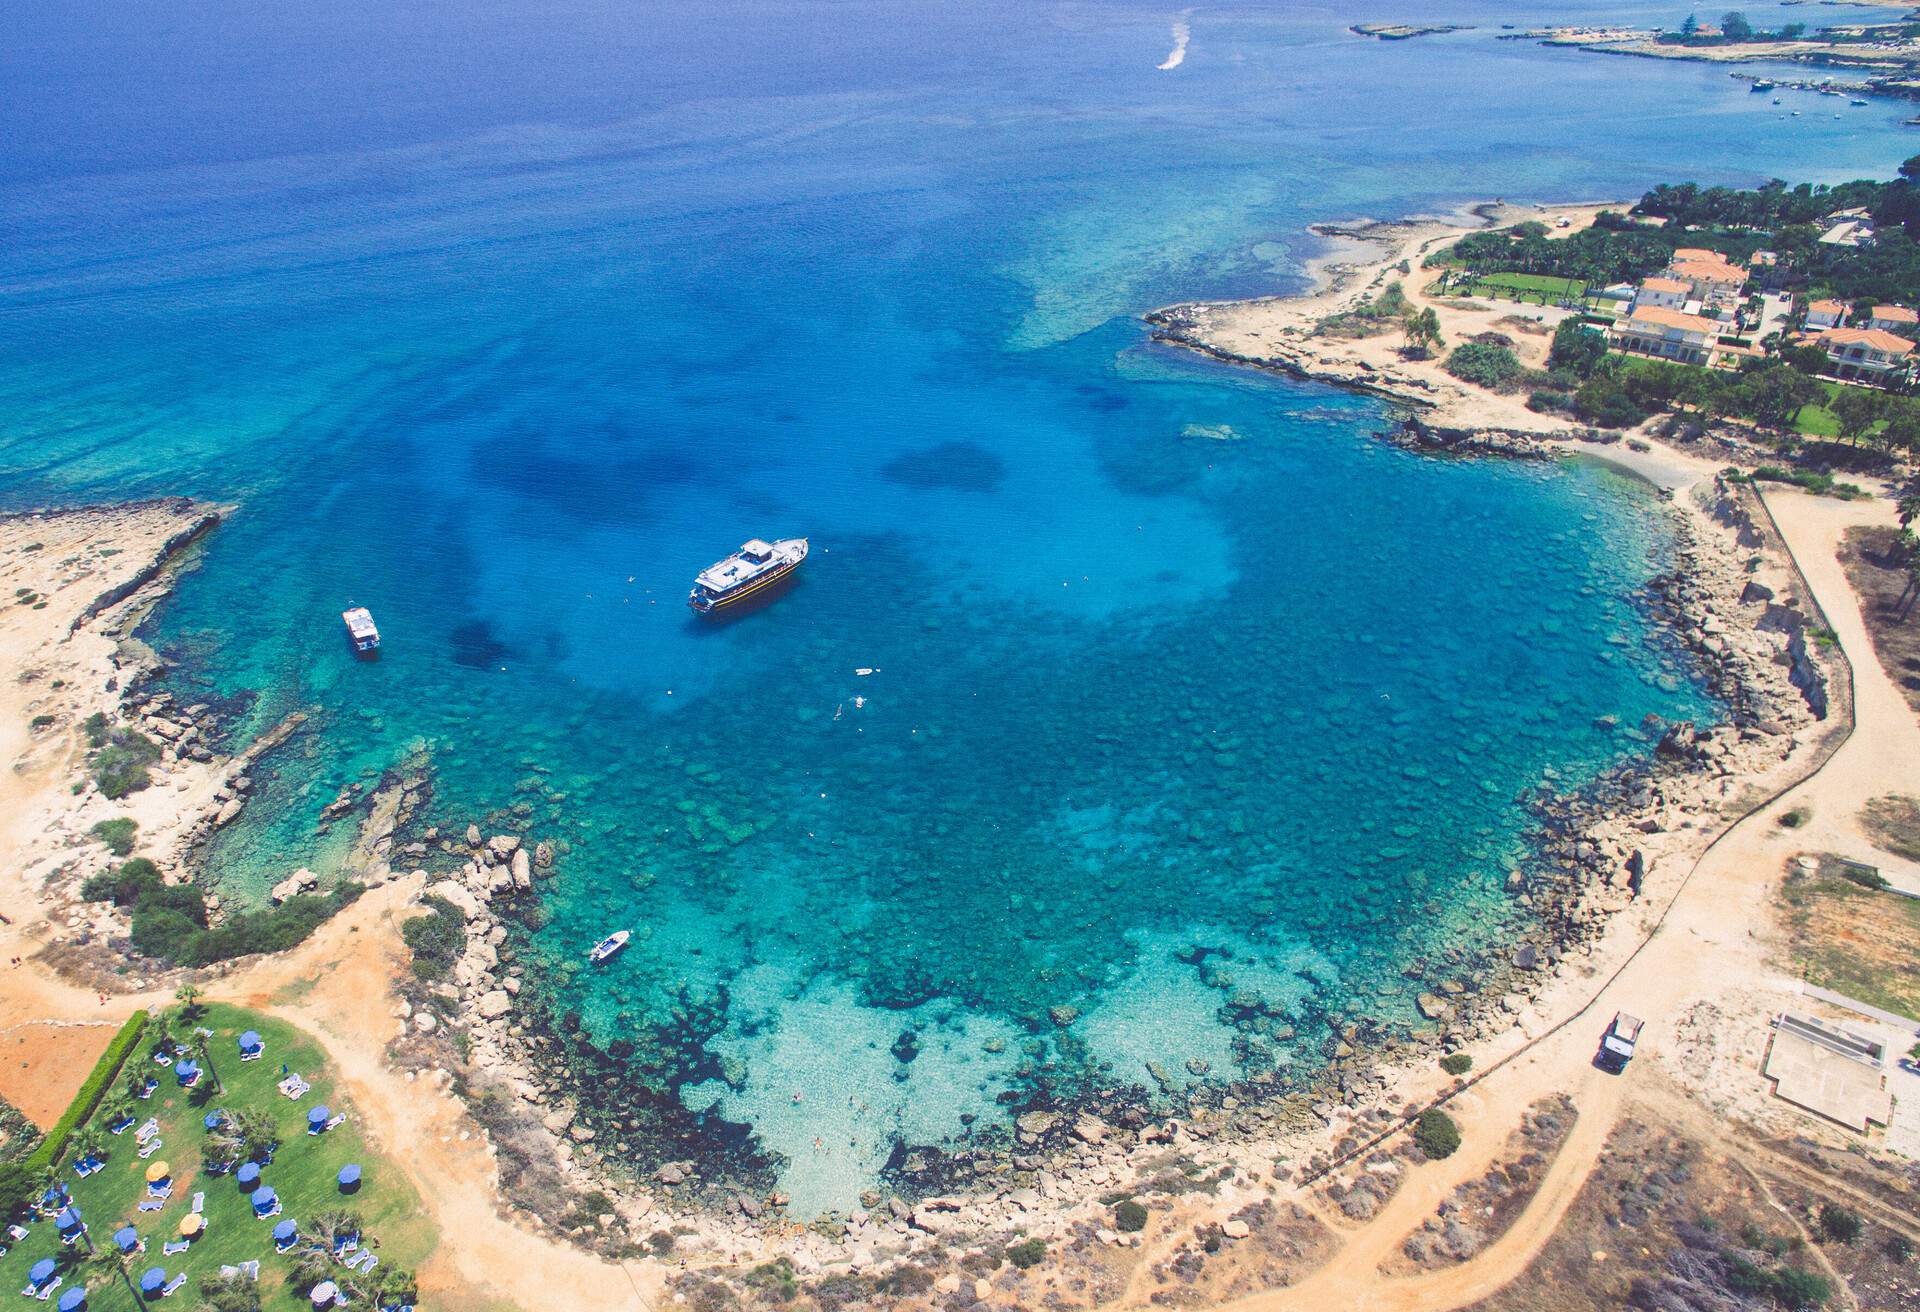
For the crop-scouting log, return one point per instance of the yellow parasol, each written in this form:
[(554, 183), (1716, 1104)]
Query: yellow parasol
[(158, 1172), (191, 1224)]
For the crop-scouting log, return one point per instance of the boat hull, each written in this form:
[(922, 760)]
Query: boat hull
[(707, 604)]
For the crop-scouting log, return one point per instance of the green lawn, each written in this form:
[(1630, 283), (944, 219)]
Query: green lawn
[(1818, 421), (1536, 288), (303, 1172)]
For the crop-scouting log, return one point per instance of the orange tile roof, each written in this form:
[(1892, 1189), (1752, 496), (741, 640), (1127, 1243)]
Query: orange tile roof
[(1665, 285), (1827, 307), (1878, 339), (1665, 318), (1713, 270), (1895, 314)]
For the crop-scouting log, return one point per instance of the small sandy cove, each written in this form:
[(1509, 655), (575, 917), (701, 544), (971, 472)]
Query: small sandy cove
[(1701, 936)]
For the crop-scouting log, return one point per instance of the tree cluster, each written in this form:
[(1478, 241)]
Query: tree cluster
[(1735, 29), (170, 920)]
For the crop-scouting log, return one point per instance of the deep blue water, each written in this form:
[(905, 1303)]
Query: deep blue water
[(505, 318)]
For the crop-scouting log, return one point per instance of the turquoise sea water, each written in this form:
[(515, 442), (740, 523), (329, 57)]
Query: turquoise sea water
[(506, 318)]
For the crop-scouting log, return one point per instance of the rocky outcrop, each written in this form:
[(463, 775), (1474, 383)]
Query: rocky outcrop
[(1415, 434), (201, 524)]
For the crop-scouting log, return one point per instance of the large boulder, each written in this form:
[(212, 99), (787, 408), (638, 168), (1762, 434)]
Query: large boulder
[(300, 881), (494, 1004), (462, 900)]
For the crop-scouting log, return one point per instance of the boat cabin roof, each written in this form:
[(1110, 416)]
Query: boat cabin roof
[(359, 621), (753, 559)]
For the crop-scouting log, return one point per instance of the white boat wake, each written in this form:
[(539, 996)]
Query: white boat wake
[(1182, 33)]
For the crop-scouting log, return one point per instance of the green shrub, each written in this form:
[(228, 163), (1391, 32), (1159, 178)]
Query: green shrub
[(1605, 403), (1576, 348), (1456, 1063), (123, 884), (1484, 365), (1872, 879), (96, 729), (1129, 1216), (1899, 1248), (120, 764), (273, 930), (1795, 818), (91, 1091), (170, 920), (117, 834), (1027, 1253), (774, 1280), (1436, 1134), (1839, 1225), (18, 1186), (436, 939), (41, 722)]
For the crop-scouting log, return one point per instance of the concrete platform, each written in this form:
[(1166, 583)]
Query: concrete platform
[(1830, 1071)]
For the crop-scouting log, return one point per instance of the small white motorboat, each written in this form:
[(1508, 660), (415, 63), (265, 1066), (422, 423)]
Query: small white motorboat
[(609, 945)]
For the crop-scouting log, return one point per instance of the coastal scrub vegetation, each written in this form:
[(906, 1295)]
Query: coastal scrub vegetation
[(1027, 1253), (1893, 823), (117, 834), (170, 921), (1457, 1063), (1129, 1216), (1838, 1225), (436, 939), (1436, 1134), (1485, 365), (1371, 315), (120, 756), (1857, 940)]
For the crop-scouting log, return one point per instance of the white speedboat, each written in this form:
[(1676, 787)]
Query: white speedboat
[(609, 945)]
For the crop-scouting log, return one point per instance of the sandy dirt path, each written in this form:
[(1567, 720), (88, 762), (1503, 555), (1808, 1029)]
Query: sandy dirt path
[(336, 987)]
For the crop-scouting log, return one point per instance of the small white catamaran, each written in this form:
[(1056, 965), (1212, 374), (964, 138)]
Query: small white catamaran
[(609, 945)]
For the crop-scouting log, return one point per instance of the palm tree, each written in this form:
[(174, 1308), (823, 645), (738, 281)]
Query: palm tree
[(188, 996), (203, 1048), (252, 1130), (396, 1285), (309, 1269), (88, 1143), (112, 1260), (336, 1224)]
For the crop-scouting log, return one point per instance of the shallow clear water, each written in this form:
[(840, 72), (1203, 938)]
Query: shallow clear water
[(505, 319)]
